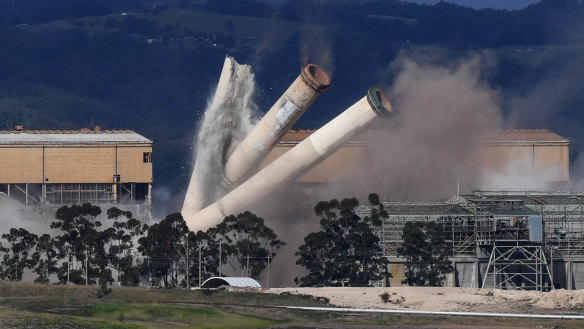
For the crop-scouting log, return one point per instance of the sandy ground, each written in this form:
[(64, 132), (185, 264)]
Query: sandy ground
[(450, 299)]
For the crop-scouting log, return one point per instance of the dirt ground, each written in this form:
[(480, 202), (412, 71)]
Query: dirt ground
[(345, 326), (449, 299)]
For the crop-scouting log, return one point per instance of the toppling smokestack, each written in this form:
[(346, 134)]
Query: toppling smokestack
[(295, 162), (220, 113), (280, 118)]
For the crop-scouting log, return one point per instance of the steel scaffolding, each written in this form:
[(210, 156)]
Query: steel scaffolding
[(514, 239), (518, 267)]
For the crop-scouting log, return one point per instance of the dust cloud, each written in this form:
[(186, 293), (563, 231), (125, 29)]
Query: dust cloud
[(16, 215), (421, 152), (227, 120), (429, 147)]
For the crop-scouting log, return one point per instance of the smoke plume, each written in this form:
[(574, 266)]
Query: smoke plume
[(440, 115), (429, 146), (15, 215), (429, 149)]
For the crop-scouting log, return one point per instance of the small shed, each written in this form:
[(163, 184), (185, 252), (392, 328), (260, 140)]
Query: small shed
[(216, 282)]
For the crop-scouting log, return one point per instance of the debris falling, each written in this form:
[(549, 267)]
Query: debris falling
[(227, 120)]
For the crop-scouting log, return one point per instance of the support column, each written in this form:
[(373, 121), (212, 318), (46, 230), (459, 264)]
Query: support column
[(43, 200), (552, 267), (26, 194), (570, 275), (475, 275), (149, 196), (451, 277), (149, 202), (132, 193), (116, 188), (44, 193)]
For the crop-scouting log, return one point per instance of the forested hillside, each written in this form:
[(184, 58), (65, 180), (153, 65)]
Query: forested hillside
[(152, 65)]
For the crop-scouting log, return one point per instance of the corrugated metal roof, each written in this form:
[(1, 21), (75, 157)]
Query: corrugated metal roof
[(528, 135), (296, 135), (64, 137), (241, 282), (507, 210), (552, 198), (508, 136), (419, 209)]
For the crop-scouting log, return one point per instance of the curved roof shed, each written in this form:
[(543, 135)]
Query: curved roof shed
[(216, 282)]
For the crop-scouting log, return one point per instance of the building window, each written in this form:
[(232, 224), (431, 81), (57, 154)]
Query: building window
[(147, 157)]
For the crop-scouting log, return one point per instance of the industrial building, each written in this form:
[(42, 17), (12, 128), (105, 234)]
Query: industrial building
[(46, 169), (529, 153), (509, 240)]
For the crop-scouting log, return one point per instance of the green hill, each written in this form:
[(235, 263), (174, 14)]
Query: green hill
[(152, 67)]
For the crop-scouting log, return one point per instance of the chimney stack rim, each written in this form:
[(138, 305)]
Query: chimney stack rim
[(379, 102), (315, 77)]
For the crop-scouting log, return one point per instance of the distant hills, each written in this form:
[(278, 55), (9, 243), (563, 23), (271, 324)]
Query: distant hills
[(152, 65)]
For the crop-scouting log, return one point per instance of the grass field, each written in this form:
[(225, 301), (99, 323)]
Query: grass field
[(45, 306), (56, 306)]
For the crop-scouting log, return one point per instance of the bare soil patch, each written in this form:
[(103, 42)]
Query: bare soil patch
[(449, 299)]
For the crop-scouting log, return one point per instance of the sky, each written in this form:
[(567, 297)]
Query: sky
[(480, 4)]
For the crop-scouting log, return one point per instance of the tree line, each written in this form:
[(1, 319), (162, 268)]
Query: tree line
[(89, 248)]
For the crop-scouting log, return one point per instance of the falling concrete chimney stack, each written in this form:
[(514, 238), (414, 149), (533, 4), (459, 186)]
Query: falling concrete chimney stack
[(245, 159), (296, 161)]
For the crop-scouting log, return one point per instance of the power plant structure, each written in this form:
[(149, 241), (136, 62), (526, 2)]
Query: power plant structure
[(280, 118), (297, 161), (510, 240), (240, 163), (529, 153), (46, 169)]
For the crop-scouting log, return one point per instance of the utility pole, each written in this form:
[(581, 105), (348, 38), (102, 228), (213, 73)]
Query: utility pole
[(269, 270), (220, 260), (68, 264), (247, 266), (200, 277), (86, 266), (188, 285)]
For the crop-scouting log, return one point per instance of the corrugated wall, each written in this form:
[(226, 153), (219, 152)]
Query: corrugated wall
[(74, 164)]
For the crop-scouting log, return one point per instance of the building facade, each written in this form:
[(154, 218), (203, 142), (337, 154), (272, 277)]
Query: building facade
[(529, 153), (46, 169), (511, 240)]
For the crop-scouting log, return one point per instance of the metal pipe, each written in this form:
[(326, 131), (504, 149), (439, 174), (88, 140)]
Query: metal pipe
[(295, 162), (280, 118)]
